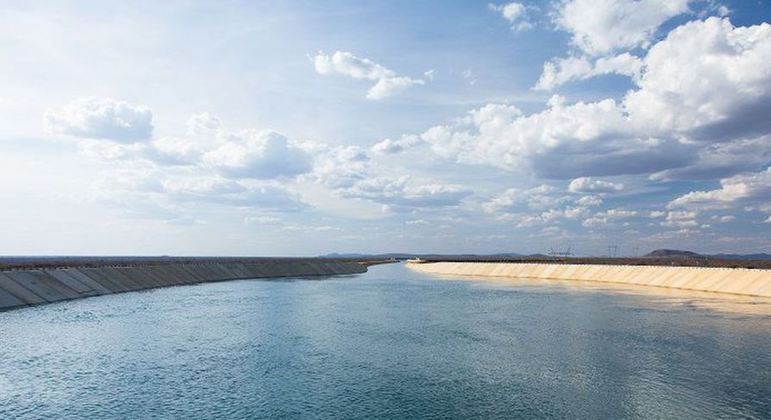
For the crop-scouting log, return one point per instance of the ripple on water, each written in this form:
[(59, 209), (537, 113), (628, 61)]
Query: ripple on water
[(387, 344)]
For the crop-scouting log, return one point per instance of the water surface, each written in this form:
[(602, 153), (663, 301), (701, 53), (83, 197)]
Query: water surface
[(387, 344)]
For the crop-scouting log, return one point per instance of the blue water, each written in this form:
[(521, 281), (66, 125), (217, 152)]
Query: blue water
[(387, 344)]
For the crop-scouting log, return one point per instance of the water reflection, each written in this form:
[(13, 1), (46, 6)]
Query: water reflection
[(387, 344), (677, 298)]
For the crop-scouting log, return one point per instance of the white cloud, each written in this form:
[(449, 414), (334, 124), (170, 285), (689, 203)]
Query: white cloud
[(681, 219), (515, 200), (387, 82), (559, 71), (164, 195), (101, 118), (389, 146), (723, 159), (741, 188), (261, 220), (600, 27), (399, 194), (203, 123), (617, 213), (173, 151), (707, 80), (515, 13), (341, 167), (259, 154), (589, 201), (593, 185), (559, 142), (706, 83), (540, 205), (608, 217)]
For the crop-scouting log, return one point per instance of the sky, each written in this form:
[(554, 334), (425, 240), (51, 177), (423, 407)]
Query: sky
[(306, 128)]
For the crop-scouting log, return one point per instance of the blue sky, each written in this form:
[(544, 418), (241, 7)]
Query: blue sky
[(301, 128)]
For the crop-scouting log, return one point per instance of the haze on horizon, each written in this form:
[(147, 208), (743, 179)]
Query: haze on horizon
[(303, 128)]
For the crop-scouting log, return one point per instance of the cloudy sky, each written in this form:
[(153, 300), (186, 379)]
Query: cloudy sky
[(301, 128)]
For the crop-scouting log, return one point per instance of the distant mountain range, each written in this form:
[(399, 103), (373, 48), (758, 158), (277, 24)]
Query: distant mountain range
[(676, 253), (761, 256), (659, 253), (403, 256)]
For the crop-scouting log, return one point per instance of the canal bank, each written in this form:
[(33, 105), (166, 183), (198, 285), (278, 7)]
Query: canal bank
[(738, 281), (29, 287)]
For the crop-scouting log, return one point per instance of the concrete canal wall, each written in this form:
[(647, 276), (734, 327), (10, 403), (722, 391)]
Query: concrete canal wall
[(740, 281), (19, 288)]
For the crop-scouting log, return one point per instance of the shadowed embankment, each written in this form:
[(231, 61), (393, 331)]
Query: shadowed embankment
[(35, 281)]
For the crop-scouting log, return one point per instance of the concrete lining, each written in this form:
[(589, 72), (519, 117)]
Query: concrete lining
[(118, 277), (72, 283), (22, 293), (20, 288), (97, 287), (38, 285), (7, 300), (100, 277), (753, 282)]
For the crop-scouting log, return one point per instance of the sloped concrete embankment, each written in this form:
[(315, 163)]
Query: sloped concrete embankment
[(739, 281), (19, 288)]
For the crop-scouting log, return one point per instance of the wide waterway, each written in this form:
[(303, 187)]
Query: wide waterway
[(391, 343)]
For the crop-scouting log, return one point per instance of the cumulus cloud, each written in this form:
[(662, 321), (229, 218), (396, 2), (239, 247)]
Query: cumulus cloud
[(259, 154), (101, 118), (604, 33), (593, 185), (390, 147), (559, 71), (202, 123), (349, 172), (600, 27), (341, 167), (589, 201), (681, 219), (706, 83), (515, 13), (754, 187), (387, 82), (708, 80), (400, 195), (173, 151), (595, 136), (608, 217), (724, 219), (540, 205), (183, 188), (515, 200)]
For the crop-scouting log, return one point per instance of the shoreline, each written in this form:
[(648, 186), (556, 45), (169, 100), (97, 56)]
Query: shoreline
[(27, 286), (734, 281)]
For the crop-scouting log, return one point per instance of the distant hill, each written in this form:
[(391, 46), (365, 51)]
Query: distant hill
[(404, 256), (659, 253), (761, 256), (672, 253)]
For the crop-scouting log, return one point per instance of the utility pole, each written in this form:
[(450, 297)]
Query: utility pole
[(612, 251)]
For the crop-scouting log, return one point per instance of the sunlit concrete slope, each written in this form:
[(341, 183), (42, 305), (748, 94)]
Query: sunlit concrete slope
[(19, 288), (753, 282)]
